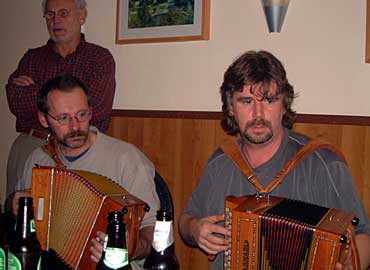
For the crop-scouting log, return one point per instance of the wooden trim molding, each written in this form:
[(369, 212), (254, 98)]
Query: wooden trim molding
[(301, 118)]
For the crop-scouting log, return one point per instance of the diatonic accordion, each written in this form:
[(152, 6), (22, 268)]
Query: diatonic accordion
[(282, 234), (72, 205)]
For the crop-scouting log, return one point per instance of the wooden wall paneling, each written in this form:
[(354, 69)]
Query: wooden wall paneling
[(180, 148)]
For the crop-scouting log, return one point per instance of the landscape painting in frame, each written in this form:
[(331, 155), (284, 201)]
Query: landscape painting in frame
[(144, 21)]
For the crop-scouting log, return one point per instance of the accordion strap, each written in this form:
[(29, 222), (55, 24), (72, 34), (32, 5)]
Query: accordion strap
[(233, 151), (51, 149)]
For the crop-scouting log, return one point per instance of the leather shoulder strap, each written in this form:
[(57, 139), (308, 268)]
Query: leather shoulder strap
[(232, 150), (51, 149)]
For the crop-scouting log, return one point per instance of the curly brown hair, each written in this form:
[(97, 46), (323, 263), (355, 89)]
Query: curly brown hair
[(255, 68)]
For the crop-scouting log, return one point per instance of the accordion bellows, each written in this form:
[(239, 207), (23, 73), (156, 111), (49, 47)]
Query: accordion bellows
[(282, 234), (71, 206)]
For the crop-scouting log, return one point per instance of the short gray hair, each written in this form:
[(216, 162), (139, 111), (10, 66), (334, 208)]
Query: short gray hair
[(79, 4)]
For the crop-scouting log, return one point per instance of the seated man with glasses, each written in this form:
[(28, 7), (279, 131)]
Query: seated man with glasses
[(66, 51), (65, 109)]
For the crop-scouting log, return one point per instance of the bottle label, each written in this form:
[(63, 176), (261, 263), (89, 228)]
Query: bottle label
[(115, 258), (2, 259), (13, 262), (32, 226), (163, 235)]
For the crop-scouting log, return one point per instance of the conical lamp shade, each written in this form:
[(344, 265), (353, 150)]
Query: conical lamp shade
[(275, 11)]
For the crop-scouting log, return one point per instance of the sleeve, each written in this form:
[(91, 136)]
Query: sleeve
[(102, 85), (23, 100), (37, 157), (138, 179), (341, 193), (198, 202)]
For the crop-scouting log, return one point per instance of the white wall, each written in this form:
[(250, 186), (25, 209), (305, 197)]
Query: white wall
[(322, 45)]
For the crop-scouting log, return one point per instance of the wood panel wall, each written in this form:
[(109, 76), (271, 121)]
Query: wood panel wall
[(180, 144)]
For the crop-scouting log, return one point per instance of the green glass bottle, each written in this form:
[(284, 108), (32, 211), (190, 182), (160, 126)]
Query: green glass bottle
[(115, 254), (25, 250), (162, 255), (3, 244)]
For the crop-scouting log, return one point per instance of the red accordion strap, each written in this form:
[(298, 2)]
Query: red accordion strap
[(233, 151), (51, 149)]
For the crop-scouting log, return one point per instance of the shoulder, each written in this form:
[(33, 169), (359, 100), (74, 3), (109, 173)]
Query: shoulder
[(120, 149), (97, 50), (297, 140)]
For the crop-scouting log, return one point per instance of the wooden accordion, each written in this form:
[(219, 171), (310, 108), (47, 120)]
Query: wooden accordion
[(72, 205), (282, 234)]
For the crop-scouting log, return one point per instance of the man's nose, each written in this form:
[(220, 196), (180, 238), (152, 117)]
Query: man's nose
[(259, 110), (74, 123)]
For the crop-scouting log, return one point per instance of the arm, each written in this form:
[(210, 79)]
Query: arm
[(145, 243), (363, 246), (143, 249), (102, 85), (22, 90), (201, 231)]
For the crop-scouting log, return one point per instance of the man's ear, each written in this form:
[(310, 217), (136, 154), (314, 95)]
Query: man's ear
[(83, 15), (42, 119)]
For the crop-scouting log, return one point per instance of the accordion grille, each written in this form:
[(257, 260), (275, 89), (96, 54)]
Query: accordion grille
[(73, 212)]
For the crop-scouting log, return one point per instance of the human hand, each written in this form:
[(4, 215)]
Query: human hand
[(23, 80), (204, 232), (15, 200), (97, 246)]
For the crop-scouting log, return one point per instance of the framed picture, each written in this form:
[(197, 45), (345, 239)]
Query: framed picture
[(145, 21), (367, 45)]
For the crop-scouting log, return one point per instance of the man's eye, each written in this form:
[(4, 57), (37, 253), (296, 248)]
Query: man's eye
[(63, 118), (247, 101), (270, 100)]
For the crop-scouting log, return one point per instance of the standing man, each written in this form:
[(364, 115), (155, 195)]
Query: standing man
[(257, 100), (65, 52), (64, 108)]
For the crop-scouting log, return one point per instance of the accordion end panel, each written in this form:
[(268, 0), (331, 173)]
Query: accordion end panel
[(266, 234), (71, 206)]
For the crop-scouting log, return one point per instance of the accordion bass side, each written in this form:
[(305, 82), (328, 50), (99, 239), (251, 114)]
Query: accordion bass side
[(280, 234), (72, 205)]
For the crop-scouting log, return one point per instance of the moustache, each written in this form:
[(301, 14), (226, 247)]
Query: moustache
[(258, 122), (76, 133)]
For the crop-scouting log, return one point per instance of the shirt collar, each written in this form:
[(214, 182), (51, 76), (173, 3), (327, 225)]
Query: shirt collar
[(50, 43)]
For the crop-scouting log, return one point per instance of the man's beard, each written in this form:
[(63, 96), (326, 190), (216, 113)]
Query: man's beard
[(260, 138), (74, 144)]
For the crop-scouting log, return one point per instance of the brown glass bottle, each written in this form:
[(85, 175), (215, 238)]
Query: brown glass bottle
[(162, 255), (115, 254), (25, 250)]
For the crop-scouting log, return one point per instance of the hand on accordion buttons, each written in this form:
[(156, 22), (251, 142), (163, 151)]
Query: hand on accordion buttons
[(347, 264), (210, 236), (97, 245)]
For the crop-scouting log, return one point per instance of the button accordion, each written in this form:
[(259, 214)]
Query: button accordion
[(72, 205), (282, 234)]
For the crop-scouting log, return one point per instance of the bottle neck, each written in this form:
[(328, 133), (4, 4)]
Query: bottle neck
[(25, 226), (116, 235), (163, 235)]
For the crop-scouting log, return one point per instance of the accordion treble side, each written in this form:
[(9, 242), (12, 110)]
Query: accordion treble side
[(72, 205), (280, 234)]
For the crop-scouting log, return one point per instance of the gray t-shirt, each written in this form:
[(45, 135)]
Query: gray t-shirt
[(322, 178)]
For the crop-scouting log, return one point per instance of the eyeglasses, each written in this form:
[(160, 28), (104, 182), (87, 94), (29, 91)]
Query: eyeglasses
[(61, 13), (65, 119)]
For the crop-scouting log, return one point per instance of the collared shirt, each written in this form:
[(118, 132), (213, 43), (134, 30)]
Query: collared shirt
[(92, 64)]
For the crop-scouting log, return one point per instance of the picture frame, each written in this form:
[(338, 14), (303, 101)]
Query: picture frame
[(367, 45), (148, 21)]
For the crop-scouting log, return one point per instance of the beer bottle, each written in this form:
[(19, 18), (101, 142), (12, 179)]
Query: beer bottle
[(25, 251), (3, 246), (162, 255), (115, 254)]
